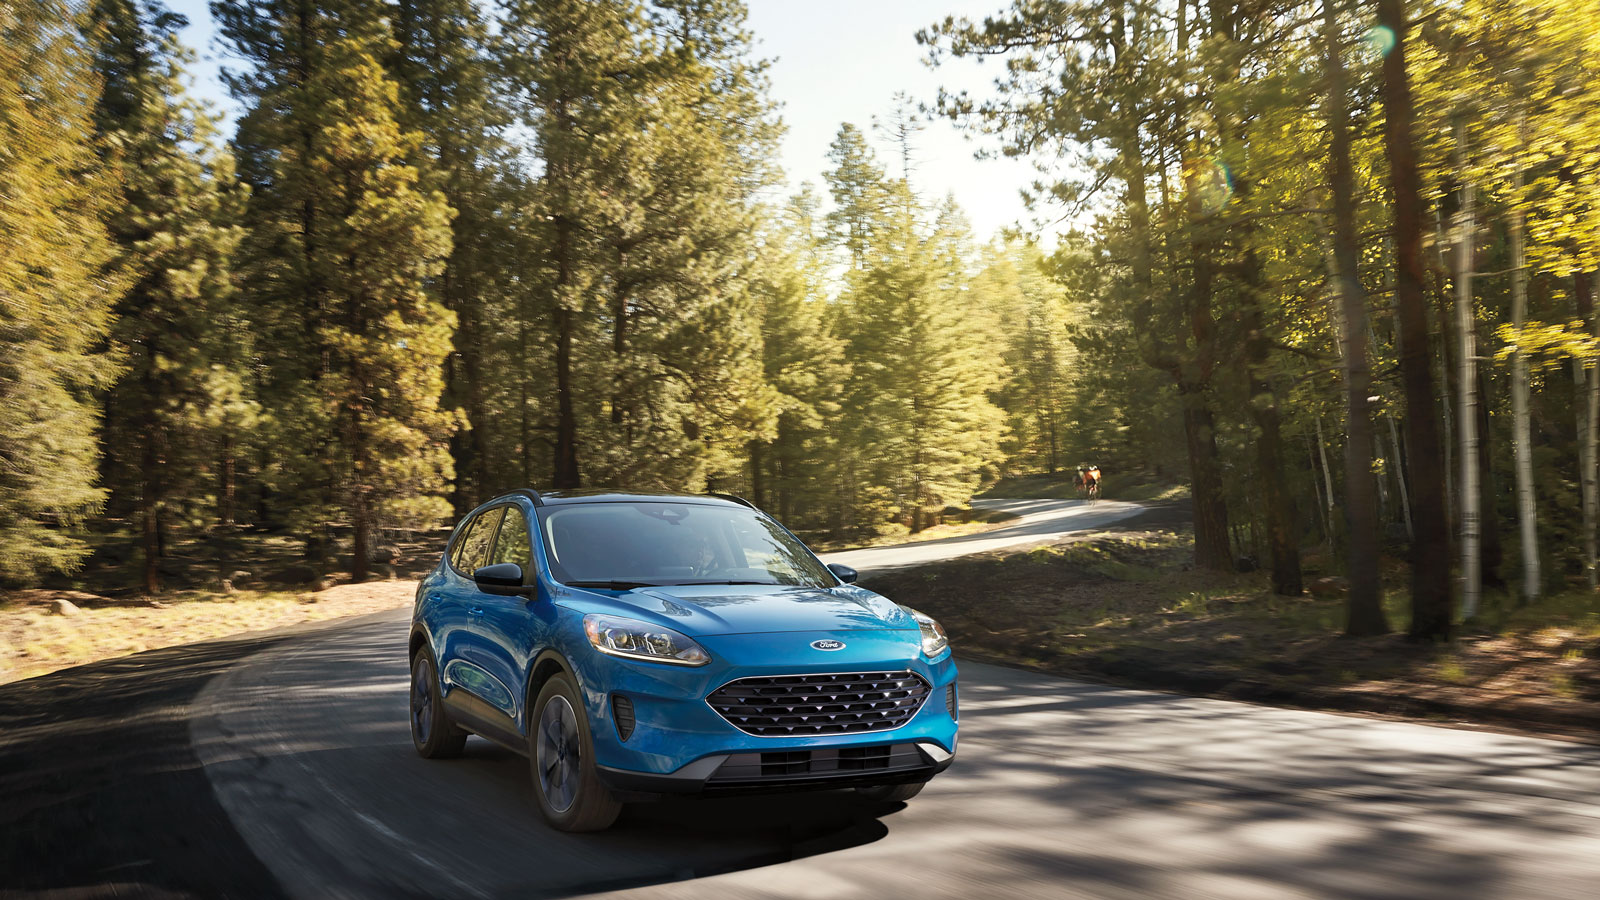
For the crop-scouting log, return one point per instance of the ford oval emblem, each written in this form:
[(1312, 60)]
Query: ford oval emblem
[(828, 644)]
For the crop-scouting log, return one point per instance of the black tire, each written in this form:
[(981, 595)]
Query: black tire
[(432, 732), (565, 785), (891, 793)]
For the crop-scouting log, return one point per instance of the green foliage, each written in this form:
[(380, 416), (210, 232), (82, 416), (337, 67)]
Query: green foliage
[(345, 235), (182, 399), (58, 282)]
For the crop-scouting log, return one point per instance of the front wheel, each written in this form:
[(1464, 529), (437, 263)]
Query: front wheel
[(432, 732), (568, 791), (891, 793)]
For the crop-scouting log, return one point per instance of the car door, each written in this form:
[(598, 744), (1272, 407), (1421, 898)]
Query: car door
[(457, 600), (507, 629)]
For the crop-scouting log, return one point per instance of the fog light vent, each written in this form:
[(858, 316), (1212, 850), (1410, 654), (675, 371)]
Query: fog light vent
[(950, 702), (622, 714)]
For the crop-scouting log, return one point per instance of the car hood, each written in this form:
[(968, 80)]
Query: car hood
[(742, 609)]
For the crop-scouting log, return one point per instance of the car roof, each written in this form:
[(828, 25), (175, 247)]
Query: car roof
[(609, 495)]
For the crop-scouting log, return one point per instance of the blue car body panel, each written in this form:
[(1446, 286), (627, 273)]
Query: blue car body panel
[(488, 648)]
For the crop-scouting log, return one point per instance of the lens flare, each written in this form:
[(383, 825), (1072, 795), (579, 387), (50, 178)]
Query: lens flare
[(1380, 40)]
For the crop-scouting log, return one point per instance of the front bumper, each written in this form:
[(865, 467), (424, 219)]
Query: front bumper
[(679, 744), (786, 770)]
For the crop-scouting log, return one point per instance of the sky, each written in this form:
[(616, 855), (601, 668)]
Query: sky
[(833, 61)]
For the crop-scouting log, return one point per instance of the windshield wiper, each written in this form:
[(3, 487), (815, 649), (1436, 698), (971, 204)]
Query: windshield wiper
[(613, 585)]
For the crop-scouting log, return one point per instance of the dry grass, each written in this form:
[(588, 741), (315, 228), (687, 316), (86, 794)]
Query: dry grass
[(33, 641)]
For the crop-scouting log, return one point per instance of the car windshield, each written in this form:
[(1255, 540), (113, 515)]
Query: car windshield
[(626, 545)]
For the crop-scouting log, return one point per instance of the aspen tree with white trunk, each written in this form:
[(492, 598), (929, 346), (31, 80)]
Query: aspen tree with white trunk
[(1466, 368), (1522, 441)]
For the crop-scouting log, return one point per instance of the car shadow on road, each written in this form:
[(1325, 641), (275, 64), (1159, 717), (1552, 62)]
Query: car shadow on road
[(335, 800)]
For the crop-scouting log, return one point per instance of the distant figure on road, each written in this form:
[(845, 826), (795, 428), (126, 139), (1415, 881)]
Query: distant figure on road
[(1087, 481)]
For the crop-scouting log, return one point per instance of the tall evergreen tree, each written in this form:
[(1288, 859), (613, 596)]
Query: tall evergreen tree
[(344, 238), (175, 406), (57, 286), (445, 73), (655, 136)]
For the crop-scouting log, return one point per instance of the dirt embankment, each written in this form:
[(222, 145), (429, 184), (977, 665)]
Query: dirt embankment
[(1128, 607)]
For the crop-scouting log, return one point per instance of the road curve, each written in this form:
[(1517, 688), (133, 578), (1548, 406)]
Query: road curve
[(1039, 521), (1060, 789)]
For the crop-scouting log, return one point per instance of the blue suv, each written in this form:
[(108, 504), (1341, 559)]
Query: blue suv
[(633, 645)]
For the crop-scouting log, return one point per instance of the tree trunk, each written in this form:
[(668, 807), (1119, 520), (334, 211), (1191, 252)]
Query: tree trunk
[(1521, 423), (1467, 394), (1588, 428), (1282, 540), (1430, 551), (758, 492), (566, 462), (152, 547), (1328, 495), (1364, 604), (1491, 552), (1211, 550), (227, 478)]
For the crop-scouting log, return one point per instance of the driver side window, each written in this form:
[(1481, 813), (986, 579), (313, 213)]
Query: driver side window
[(475, 541), (512, 545)]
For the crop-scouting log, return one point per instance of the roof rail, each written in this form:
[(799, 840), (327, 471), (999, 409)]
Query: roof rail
[(734, 498), (531, 494)]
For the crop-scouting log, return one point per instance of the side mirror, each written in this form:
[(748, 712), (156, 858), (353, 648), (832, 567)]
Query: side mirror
[(504, 579), (845, 573)]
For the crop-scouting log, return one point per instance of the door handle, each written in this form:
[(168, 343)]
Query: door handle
[(475, 611)]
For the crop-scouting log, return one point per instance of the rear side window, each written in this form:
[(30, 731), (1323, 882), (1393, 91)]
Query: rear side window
[(512, 544), (475, 540)]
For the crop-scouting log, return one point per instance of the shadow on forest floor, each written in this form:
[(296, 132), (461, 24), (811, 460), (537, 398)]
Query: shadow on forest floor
[(1127, 606)]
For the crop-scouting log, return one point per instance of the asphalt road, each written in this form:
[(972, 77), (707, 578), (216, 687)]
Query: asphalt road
[(1059, 789), (1039, 521), (298, 776)]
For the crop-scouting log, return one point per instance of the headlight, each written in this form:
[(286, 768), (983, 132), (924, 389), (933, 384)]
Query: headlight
[(634, 639), (934, 639)]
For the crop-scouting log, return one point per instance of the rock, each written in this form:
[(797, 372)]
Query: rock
[(1328, 586), (322, 584), (61, 606), (1245, 564), (238, 576), (386, 555), (225, 586)]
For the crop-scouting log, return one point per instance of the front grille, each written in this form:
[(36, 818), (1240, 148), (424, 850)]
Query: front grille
[(840, 703), (822, 767)]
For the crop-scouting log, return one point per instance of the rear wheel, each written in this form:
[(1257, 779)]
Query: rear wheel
[(432, 732), (891, 793), (569, 792)]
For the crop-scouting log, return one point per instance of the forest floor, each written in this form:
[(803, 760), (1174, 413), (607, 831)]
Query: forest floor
[(1126, 606), (35, 638), (214, 587)]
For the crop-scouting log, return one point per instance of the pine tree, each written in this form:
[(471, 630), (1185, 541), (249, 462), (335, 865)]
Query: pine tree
[(917, 404), (181, 397), (443, 67), (57, 286), (655, 137), (344, 237), (804, 363)]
